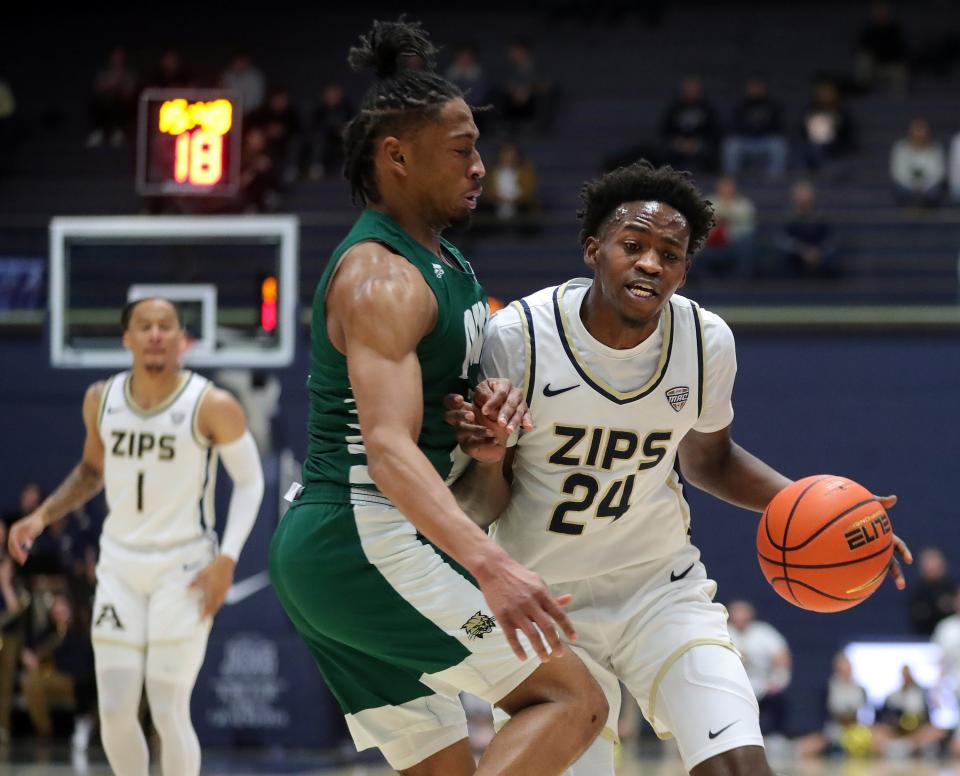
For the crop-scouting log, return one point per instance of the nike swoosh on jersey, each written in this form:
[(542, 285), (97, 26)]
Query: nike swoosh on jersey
[(682, 574), (711, 735), (240, 591), (547, 391)]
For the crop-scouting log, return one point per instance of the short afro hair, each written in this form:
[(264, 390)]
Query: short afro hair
[(639, 182)]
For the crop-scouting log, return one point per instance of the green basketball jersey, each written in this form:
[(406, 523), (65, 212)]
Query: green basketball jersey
[(449, 356)]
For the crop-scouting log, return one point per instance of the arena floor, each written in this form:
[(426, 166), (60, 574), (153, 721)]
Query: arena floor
[(58, 763)]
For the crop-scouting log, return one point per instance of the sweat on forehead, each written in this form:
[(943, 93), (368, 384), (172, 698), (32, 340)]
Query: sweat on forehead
[(659, 213)]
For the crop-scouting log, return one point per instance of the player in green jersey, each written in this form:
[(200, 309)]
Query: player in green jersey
[(402, 600)]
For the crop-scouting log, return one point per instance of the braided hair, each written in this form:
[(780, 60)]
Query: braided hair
[(406, 93)]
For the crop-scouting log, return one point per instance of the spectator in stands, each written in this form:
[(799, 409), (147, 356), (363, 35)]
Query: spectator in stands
[(114, 102), (757, 133), (259, 184), (171, 73), (932, 598), (954, 173), (827, 129), (466, 72), (279, 120), (882, 51), (918, 166), (689, 129), (903, 722), (524, 94), (947, 636), (766, 656), (329, 123), (842, 730), (246, 78), (806, 241), (511, 185), (59, 669), (730, 244), (14, 601)]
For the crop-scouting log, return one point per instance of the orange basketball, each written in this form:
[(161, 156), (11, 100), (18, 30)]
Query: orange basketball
[(824, 543)]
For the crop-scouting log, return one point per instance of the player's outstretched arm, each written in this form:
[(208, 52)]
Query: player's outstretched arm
[(378, 310), (83, 483), (717, 465), (221, 420), (714, 463)]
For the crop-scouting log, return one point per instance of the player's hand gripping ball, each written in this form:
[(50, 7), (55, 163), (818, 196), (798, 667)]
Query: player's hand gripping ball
[(825, 543)]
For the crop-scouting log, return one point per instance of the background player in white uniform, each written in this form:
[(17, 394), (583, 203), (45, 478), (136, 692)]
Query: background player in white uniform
[(624, 378), (154, 435)]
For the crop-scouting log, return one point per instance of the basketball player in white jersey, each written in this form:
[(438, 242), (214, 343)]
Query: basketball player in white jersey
[(624, 378), (154, 435)]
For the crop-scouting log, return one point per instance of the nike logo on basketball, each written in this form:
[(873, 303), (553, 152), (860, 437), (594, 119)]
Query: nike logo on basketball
[(548, 391), (681, 575), (711, 735)]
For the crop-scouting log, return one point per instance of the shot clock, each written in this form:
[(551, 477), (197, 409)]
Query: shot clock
[(188, 142)]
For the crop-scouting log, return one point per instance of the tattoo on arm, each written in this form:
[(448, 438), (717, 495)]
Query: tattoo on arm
[(81, 485)]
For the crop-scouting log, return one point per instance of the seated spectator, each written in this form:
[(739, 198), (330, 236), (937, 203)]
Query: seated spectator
[(510, 187), (882, 52), (931, 598), (280, 122), (524, 95), (246, 78), (466, 72), (827, 128), (766, 656), (842, 729), (757, 133), (330, 120), (171, 73), (259, 185), (689, 129), (114, 103), (903, 723), (14, 602), (954, 173), (918, 167), (730, 244), (806, 242), (59, 669)]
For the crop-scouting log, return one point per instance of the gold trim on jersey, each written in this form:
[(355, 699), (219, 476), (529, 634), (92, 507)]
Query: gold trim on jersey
[(662, 672), (674, 485), (658, 373), (195, 417), (117, 643), (185, 377), (527, 388), (103, 400)]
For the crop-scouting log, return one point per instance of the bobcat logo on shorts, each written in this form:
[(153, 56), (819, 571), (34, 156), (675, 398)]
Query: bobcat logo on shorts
[(109, 614), (678, 397), (479, 625)]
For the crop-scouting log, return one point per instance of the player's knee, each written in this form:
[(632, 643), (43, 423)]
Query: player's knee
[(596, 708), (742, 761)]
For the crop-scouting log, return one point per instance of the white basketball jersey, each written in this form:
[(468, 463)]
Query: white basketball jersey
[(594, 486), (159, 473)]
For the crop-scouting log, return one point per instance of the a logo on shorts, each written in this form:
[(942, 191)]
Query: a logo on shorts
[(678, 396), (109, 615), (479, 626), (177, 418)]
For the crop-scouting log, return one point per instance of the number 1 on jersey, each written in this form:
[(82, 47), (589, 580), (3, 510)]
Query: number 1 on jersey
[(140, 491)]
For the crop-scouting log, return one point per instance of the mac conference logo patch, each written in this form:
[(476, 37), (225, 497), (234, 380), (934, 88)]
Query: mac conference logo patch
[(678, 396)]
